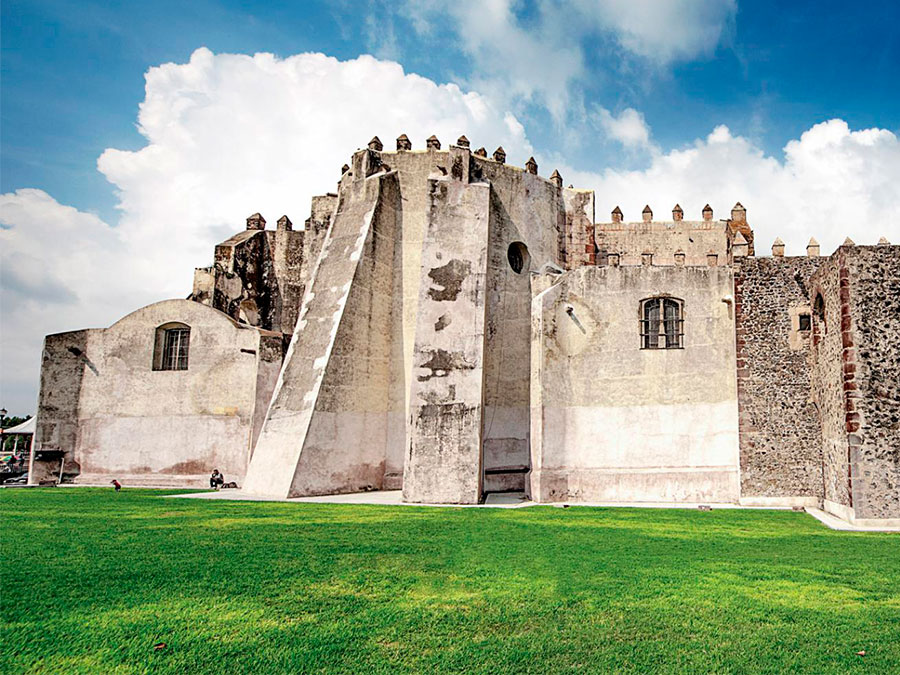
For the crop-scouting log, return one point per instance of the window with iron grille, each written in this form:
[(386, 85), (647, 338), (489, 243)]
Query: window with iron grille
[(662, 325), (172, 347)]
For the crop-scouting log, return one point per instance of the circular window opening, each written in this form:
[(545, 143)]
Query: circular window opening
[(517, 254)]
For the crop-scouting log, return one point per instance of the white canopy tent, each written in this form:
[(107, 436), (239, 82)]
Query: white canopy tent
[(26, 428)]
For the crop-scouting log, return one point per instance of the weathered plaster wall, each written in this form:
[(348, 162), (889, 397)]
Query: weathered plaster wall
[(781, 446), (872, 379), (56, 426), (346, 447), (662, 239), (446, 410), (305, 446), (614, 422), (526, 209), (164, 427)]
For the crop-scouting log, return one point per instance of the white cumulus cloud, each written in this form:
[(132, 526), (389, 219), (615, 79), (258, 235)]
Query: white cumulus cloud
[(628, 127), (832, 183), (542, 56), (226, 135)]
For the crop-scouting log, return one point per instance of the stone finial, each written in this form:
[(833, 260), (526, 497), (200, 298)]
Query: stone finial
[(679, 258), (531, 166), (812, 248), (739, 247), (481, 152), (884, 242), (345, 169), (617, 215), (403, 142), (284, 223), (376, 144), (462, 141), (677, 213), (848, 242), (707, 212), (500, 154), (647, 214), (778, 248), (432, 143), (556, 179), (256, 222), (739, 213)]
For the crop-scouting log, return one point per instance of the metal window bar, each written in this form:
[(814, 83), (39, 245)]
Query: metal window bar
[(665, 333), (175, 349)]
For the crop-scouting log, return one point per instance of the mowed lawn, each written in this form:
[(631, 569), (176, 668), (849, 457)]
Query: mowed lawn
[(92, 580)]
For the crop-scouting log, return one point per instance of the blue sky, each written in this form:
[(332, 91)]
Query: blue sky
[(136, 135), (73, 74)]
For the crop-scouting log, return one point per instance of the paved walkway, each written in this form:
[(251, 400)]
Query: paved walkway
[(515, 500)]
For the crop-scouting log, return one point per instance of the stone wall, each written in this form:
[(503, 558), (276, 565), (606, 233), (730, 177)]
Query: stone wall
[(614, 422), (827, 379), (781, 447), (872, 378)]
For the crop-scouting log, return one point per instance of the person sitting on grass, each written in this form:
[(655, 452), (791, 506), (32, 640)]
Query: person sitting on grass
[(216, 480), (116, 484)]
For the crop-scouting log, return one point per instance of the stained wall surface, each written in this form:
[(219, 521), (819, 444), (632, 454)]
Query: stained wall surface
[(163, 426), (614, 422), (56, 426), (696, 239)]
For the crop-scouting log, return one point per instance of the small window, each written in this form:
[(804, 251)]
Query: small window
[(662, 325), (171, 347), (805, 322)]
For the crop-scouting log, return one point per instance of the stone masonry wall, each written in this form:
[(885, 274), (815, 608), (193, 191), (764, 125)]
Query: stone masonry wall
[(828, 382), (874, 305), (779, 430)]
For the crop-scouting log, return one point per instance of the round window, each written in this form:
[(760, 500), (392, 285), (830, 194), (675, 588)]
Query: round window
[(517, 254)]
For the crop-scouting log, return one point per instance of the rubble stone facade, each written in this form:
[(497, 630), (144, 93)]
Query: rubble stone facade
[(456, 326)]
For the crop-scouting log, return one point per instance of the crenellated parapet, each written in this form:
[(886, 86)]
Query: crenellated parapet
[(677, 242)]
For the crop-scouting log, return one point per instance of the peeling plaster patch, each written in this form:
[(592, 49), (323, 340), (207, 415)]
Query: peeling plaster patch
[(450, 277), (441, 362), (442, 322), (320, 362)]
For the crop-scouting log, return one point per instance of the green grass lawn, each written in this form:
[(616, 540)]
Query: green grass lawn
[(91, 580)]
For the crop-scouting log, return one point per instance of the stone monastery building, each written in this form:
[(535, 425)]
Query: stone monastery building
[(452, 325)]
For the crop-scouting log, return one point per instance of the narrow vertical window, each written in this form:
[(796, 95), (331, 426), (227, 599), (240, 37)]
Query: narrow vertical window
[(662, 325), (172, 346)]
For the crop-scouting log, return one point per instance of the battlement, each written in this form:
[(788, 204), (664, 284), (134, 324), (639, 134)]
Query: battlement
[(433, 146)]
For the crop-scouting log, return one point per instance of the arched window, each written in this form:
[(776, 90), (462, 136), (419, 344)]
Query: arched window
[(171, 346), (662, 325)]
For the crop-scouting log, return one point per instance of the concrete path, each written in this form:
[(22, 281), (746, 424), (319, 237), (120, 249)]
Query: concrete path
[(516, 500), (380, 497)]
